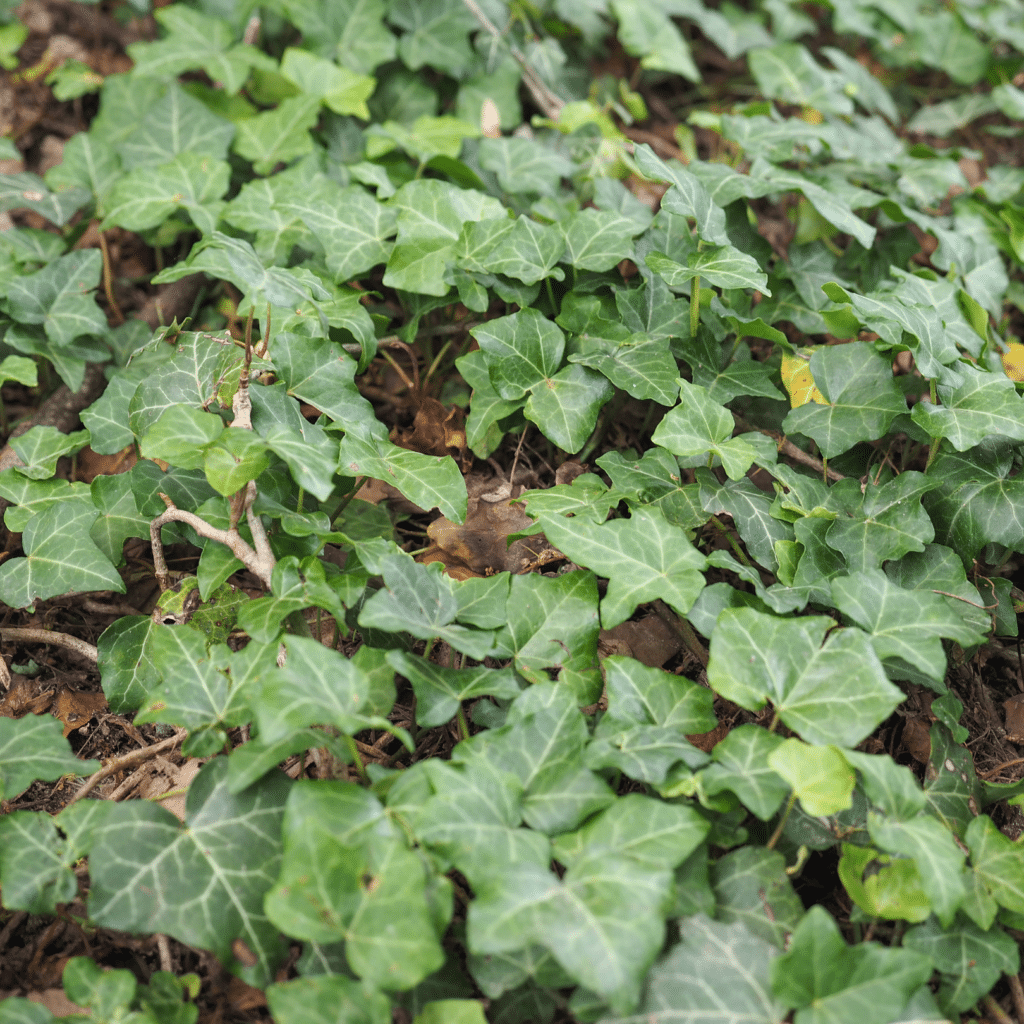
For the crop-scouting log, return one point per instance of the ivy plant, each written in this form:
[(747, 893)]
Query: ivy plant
[(824, 505)]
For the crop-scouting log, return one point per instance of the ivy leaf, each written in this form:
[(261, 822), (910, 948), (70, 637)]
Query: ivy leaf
[(528, 252), (715, 972), (820, 776), (880, 522), (698, 425), (654, 833), (440, 691), (61, 558), (25, 191), (522, 351), (146, 197), (638, 693), (643, 558), (58, 297), (426, 480), (649, 33), (981, 405), (323, 998), (311, 455), (187, 378), (741, 766), (323, 375), (350, 30), (202, 882), (723, 266), (968, 959), (939, 858), (687, 197), (996, 863), (862, 395), (598, 239), (344, 91), (905, 625), (646, 753), (751, 886), (436, 33), (295, 586), (346, 877), (41, 447), (417, 599), (565, 406), (750, 509), (32, 748), (119, 517), (655, 480), (195, 40), (788, 72), (756, 656), (820, 971), (175, 124), (603, 922), (34, 870), (235, 260), (977, 501), (278, 135), (88, 165), (525, 165)]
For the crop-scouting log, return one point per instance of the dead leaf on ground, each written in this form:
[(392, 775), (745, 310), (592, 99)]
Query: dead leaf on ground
[(650, 640), (76, 707), (917, 740), (436, 431), (26, 697), (1015, 718), (480, 546)]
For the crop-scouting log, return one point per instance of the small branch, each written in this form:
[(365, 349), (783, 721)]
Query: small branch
[(46, 636), (549, 103), (786, 447), (259, 562), (136, 757), (1017, 994), (683, 629), (996, 1012), (108, 280)]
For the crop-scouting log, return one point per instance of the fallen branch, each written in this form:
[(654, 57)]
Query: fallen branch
[(46, 636), (136, 757)]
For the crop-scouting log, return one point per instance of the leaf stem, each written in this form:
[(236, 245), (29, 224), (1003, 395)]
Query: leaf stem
[(694, 306), (357, 761), (463, 723), (777, 834), (733, 543), (108, 279)]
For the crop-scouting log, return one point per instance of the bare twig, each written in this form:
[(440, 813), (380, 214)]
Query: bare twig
[(260, 561), (108, 278), (996, 1012), (786, 447), (549, 103), (993, 772), (136, 757), (46, 636)]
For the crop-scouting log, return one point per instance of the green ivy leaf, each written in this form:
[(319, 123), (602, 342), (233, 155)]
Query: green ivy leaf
[(522, 351), (977, 406), (638, 693), (756, 656), (789, 73), (751, 886), (203, 881), (643, 558), (996, 862), (324, 999), (724, 266), (741, 766), (598, 239), (195, 40), (417, 599), (440, 691), (26, 191), (819, 776), (525, 165), (863, 398), (425, 480), (278, 135), (58, 297), (687, 197), (33, 748), (34, 867), (346, 876), (41, 447), (649, 33), (86, 165), (60, 558), (905, 625), (977, 501), (435, 34), (147, 196), (344, 91), (174, 124), (566, 406), (864, 982)]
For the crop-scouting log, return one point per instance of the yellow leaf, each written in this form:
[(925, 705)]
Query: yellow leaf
[(797, 379), (1013, 361)]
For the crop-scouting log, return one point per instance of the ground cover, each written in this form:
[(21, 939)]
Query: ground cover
[(514, 511)]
